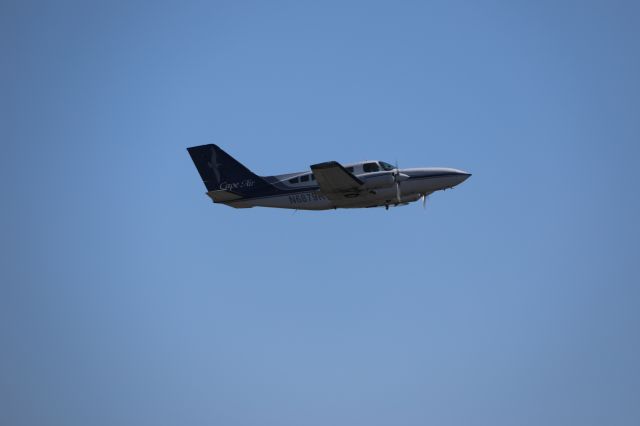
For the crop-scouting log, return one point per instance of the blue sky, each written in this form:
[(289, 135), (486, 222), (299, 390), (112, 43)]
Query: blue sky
[(128, 298)]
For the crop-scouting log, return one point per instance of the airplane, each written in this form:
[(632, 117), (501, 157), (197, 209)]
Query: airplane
[(328, 185)]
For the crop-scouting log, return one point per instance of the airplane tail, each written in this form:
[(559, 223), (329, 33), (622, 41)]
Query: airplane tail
[(221, 172)]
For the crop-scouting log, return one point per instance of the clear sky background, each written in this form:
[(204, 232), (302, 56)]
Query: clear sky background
[(128, 298)]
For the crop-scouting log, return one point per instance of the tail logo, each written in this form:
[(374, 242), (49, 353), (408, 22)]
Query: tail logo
[(214, 165), (247, 183)]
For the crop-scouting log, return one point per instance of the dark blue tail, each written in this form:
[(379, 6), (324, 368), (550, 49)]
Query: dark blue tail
[(220, 171)]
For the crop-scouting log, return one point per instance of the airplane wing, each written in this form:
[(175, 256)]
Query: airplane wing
[(335, 181)]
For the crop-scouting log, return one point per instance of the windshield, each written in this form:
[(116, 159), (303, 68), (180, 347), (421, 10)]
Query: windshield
[(386, 166)]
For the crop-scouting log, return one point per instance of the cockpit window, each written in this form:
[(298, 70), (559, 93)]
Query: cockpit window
[(370, 167), (304, 178), (294, 180), (386, 166)]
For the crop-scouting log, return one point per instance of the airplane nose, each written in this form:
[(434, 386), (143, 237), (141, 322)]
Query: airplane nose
[(465, 175), (461, 176)]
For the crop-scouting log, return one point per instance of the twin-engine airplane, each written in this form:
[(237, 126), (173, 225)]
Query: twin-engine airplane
[(327, 185)]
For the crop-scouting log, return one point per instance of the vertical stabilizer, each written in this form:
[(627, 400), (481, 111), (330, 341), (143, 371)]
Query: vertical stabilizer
[(221, 172)]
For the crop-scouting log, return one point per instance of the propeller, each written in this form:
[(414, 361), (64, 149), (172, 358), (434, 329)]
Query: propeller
[(396, 174), (397, 178), (424, 200)]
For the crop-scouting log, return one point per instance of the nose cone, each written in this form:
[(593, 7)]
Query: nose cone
[(464, 175), (460, 176)]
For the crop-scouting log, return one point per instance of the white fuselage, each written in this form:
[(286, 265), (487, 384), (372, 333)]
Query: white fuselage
[(301, 192)]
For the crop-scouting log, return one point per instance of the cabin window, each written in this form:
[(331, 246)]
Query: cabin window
[(386, 166), (304, 178), (294, 180), (349, 169), (313, 177), (370, 167)]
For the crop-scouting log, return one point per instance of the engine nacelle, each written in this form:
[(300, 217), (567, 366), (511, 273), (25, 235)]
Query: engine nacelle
[(410, 198), (380, 181)]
